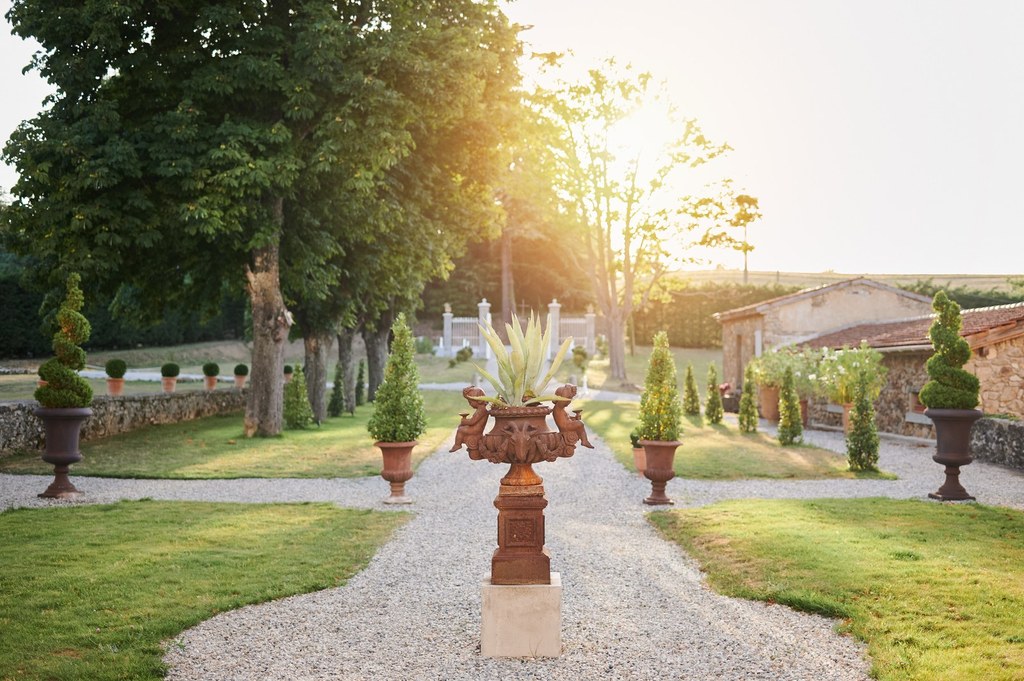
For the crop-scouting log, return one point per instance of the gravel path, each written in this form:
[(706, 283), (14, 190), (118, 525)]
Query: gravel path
[(634, 606)]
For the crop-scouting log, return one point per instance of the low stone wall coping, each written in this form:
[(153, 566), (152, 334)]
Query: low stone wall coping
[(21, 429)]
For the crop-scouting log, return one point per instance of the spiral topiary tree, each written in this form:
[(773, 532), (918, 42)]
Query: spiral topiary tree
[(748, 401), (691, 400), (64, 387), (862, 440), (791, 427), (950, 387), (713, 410)]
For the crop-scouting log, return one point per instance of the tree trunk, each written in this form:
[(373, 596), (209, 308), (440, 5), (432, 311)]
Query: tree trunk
[(348, 373), (376, 341), (617, 346), (317, 345), (508, 294), (270, 323)]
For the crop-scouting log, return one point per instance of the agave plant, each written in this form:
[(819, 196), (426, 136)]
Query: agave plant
[(518, 370)]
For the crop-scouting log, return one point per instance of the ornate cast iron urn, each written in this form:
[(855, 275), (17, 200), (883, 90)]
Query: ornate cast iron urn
[(520, 437)]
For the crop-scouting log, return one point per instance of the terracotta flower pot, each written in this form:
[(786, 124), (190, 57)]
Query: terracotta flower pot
[(115, 386), (639, 460), (768, 401), (397, 468), (168, 383), (210, 382), (661, 456), (953, 448), (846, 416), (240, 381), (63, 428)]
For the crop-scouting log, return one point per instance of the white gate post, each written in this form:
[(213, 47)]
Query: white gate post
[(484, 317), (555, 326), (447, 350), (591, 346)]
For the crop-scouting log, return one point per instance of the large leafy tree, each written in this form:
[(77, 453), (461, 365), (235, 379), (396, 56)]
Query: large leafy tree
[(191, 142), (626, 201)]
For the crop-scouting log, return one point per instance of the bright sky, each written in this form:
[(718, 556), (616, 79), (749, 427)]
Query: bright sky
[(881, 136)]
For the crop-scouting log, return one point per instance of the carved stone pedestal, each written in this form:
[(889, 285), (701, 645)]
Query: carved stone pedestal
[(521, 557), (522, 620)]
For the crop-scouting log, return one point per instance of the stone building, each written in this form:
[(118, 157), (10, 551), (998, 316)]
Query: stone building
[(748, 331), (996, 337)]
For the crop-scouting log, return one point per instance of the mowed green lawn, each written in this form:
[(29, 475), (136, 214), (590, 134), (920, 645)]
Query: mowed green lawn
[(598, 377), (215, 447), (91, 593), (720, 452), (936, 590)]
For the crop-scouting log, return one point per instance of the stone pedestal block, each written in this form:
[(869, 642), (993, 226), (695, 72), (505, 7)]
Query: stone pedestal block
[(522, 620)]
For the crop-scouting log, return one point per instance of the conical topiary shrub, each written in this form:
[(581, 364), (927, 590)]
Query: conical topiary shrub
[(64, 388), (748, 402), (361, 384), (862, 440), (791, 428), (398, 417), (298, 413), (691, 399), (950, 387), (713, 410), (660, 413), (336, 405)]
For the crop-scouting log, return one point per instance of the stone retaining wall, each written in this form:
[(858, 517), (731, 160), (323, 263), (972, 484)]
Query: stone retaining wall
[(21, 429), (998, 441)]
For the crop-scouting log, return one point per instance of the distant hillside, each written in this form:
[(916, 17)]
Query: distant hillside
[(999, 282)]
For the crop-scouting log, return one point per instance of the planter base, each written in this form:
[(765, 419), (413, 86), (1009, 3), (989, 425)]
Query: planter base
[(660, 455), (61, 487), (522, 620), (398, 494), (951, 490)]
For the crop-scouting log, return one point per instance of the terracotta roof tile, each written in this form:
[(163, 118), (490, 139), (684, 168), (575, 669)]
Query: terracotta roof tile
[(911, 332)]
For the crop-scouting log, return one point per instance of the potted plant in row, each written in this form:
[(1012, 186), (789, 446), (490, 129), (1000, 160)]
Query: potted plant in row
[(115, 369), (241, 374), (288, 372), (398, 417), (660, 415), (65, 398), (950, 396), (169, 376), (842, 370), (210, 373)]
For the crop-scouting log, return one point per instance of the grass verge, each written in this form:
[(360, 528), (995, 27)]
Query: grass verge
[(598, 377), (936, 590), (91, 592), (215, 447), (721, 452)]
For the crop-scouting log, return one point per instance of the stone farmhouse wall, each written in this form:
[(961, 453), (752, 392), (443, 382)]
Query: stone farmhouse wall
[(831, 309), (20, 429), (1000, 368), (738, 347), (998, 441)]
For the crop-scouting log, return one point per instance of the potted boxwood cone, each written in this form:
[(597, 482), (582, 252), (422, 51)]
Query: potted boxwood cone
[(639, 456), (115, 369), (169, 376), (241, 374), (660, 414), (950, 396), (210, 372), (66, 396), (398, 417)]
